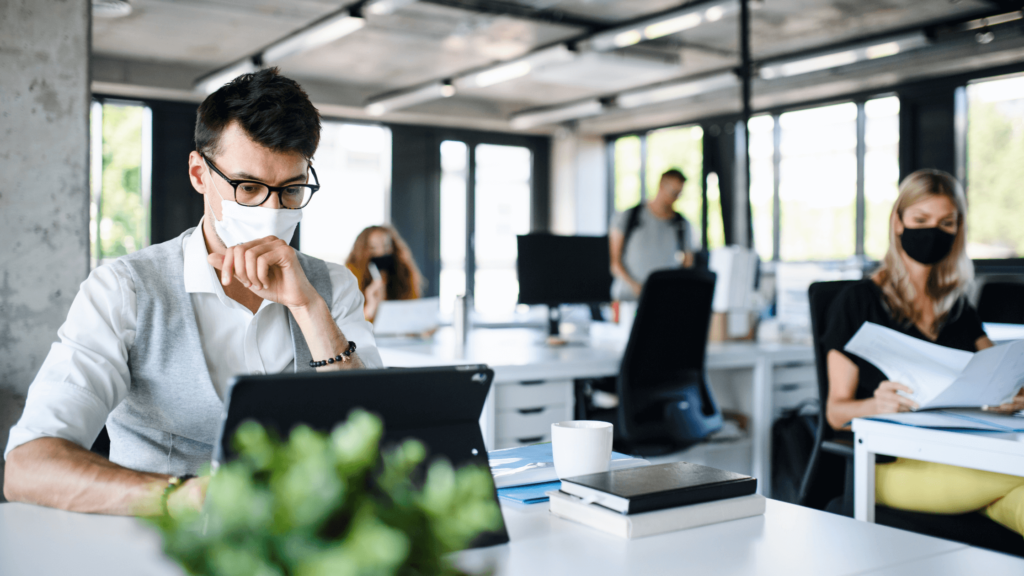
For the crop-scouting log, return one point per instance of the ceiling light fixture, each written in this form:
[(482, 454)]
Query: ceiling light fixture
[(526, 120), (993, 20), (664, 25), (211, 82), (516, 68), (325, 31), (380, 105), (859, 53), (385, 7), (676, 90)]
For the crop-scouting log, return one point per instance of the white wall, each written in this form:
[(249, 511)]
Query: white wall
[(44, 194)]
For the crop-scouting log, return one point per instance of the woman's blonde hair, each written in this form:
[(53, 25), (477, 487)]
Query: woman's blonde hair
[(405, 282), (951, 277)]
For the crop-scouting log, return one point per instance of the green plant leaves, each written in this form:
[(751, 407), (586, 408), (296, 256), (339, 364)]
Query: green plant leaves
[(320, 504)]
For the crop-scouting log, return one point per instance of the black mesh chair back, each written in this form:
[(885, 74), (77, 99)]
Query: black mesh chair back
[(666, 351), (826, 472), (1002, 302)]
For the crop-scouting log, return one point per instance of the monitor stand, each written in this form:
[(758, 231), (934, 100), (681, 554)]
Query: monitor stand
[(554, 318)]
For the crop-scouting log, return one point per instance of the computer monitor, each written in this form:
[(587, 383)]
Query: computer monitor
[(557, 270)]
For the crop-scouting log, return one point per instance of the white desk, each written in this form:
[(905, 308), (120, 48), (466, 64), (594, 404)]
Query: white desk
[(772, 374), (994, 452), (788, 540)]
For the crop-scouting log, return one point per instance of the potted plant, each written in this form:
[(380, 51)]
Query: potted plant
[(320, 504)]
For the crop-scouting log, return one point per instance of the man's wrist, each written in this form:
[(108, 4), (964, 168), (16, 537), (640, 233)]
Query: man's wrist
[(314, 306)]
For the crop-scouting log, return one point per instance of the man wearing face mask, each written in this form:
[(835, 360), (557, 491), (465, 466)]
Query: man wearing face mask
[(153, 339)]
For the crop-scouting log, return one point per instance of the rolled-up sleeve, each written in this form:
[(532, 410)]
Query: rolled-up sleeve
[(85, 375), (347, 310)]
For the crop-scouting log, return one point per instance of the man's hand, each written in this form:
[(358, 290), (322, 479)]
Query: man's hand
[(269, 268), (188, 497), (888, 401)]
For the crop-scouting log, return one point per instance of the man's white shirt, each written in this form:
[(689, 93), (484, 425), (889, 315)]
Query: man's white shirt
[(85, 375)]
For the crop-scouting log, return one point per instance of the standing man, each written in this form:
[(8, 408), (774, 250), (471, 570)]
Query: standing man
[(648, 237), (152, 339)]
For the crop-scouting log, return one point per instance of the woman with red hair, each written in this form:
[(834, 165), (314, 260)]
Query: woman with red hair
[(381, 249)]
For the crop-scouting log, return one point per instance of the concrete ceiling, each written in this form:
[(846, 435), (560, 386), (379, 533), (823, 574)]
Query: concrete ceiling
[(164, 45)]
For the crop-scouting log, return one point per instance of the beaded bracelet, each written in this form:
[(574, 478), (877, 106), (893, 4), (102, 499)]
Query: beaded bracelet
[(173, 483), (343, 357)]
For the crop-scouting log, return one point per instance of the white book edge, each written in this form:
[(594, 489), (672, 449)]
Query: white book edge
[(657, 522)]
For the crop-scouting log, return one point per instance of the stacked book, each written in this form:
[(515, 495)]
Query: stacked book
[(638, 502), (523, 475)]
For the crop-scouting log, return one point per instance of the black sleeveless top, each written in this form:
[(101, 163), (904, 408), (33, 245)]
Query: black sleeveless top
[(863, 302)]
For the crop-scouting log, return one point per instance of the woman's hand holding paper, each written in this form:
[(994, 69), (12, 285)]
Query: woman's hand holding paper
[(1010, 407), (888, 399)]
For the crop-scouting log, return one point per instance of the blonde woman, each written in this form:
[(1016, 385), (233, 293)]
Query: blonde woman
[(920, 290)]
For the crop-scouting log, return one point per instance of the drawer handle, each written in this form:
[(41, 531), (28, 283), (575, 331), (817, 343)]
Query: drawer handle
[(531, 382), (531, 410), (530, 439), (789, 387)]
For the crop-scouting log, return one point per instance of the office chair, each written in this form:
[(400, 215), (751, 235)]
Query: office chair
[(1002, 302), (828, 480), (664, 400)]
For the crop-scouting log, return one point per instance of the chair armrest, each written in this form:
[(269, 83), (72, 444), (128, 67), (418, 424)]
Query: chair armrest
[(842, 448)]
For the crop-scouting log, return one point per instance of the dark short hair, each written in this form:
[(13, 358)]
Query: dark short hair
[(674, 173), (272, 109)]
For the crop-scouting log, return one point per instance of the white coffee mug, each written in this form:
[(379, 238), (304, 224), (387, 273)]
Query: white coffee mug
[(581, 447)]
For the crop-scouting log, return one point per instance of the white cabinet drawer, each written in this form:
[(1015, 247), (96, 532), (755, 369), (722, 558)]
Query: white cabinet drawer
[(516, 395), (522, 441), (529, 423), (796, 374), (788, 396)]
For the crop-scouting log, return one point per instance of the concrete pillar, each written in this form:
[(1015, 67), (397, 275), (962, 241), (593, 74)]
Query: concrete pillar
[(44, 192)]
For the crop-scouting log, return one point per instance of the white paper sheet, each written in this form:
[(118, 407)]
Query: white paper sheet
[(956, 420), (940, 376)]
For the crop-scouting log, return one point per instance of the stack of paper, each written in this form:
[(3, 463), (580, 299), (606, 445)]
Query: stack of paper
[(942, 377), (956, 420)]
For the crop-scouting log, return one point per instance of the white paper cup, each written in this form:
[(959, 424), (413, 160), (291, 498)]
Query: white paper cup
[(581, 447)]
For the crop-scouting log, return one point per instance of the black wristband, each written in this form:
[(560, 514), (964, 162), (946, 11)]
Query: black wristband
[(343, 357)]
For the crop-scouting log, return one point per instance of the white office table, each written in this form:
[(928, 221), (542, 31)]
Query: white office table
[(991, 451), (788, 540), (519, 355)]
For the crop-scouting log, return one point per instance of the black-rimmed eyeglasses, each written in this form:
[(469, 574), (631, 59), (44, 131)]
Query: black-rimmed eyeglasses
[(252, 193)]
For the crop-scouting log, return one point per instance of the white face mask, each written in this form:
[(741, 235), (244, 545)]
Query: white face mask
[(241, 224)]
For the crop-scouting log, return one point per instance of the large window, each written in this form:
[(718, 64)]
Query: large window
[(640, 160), (121, 150), (881, 171), (995, 167), (353, 163), (818, 183), (809, 170), (500, 191), (762, 184)]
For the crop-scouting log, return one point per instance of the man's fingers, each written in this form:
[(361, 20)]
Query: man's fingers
[(239, 261), (251, 258), (226, 267), (263, 271)]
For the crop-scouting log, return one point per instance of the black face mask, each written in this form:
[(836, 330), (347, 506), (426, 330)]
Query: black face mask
[(926, 245), (384, 263)]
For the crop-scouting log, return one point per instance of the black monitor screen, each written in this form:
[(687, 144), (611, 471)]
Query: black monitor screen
[(563, 269)]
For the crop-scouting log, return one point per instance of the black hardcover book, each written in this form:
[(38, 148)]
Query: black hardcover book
[(660, 486)]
